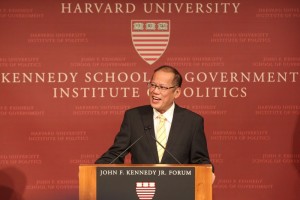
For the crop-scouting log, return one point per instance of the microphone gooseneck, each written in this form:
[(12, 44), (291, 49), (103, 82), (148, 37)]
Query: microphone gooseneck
[(148, 128), (126, 149), (145, 129)]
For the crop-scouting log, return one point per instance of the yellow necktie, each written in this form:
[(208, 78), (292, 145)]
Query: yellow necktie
[(161, 136)]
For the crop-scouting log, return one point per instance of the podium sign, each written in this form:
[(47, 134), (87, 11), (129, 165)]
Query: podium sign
[(139, 182), (128, 183)]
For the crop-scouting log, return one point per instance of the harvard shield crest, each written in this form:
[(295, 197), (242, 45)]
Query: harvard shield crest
[(145, 190), (150, 38)]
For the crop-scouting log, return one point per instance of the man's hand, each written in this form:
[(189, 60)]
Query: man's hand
[(213, 178)]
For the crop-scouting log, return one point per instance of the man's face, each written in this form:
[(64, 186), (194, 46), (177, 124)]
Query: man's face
[(161, 99)]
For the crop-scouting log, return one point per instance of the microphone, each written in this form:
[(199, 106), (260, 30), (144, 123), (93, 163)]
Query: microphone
[(148, 128), (145, 129)]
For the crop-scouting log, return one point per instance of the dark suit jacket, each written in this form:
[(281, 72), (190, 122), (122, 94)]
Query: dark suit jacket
[(186, 140)]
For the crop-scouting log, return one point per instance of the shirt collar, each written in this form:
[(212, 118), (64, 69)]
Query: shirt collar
[(168, 114)]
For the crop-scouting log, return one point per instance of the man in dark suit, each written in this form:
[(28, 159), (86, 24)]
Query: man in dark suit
[(182, 129)]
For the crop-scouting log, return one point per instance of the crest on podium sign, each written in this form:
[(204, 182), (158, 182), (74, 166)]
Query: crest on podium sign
[(150, 38), (145, 190)]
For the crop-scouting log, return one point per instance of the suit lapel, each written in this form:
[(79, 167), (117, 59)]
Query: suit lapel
[(147, 118), (174, 131)]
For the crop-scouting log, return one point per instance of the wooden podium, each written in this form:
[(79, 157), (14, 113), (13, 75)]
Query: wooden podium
[(105, 181)]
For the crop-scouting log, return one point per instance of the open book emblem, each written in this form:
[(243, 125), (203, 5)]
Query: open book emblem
[(150, 38), (145, 190)]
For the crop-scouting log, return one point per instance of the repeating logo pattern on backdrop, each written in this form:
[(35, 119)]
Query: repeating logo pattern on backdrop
[(145, 190), (150, 38)]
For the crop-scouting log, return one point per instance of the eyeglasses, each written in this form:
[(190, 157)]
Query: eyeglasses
[(159, 87)]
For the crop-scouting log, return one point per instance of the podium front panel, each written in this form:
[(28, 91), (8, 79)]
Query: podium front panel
[(145, 181), (129, 183)]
